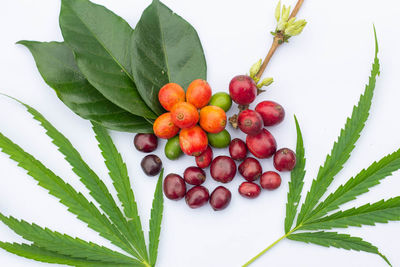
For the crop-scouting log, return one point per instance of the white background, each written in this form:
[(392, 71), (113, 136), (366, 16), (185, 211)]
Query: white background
[(319, 77)]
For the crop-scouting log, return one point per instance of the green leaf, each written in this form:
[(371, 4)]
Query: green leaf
[(101, 42), (369, 214), (76, 202), (359, 184), (119, 174), (64, 244), (34, 252), (333, 239), (89, 178), (55, 62), (165, 48), (343, 147), (296, 181), (155, 220)]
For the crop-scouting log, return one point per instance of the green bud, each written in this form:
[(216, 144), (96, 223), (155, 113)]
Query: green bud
[(284, 18), (255, 68), (265, 82), (296, 28), (278, 11)]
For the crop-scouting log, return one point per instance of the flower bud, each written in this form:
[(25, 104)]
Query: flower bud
[(265, 82), (278, 11), (295, 28), (255, 68)]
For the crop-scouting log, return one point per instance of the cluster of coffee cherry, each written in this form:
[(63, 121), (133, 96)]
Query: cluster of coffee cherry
[(198, 106)]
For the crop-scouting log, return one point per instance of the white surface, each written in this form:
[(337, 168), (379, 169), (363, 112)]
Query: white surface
[(319, 76)]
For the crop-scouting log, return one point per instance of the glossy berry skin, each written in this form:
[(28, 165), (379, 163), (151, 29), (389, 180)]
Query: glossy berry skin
[(271, 112), (164, 128), (238, 149), (220, 198), (193, 141), (184, 115), (270, 180), (223, 169), (170, 94), (145, 142), (198, 93), (250, 169), (172, 148), (194, 176), (222, 100), (205, 158), (212, 119), (219, 140), (243, 90), (197, 196), (250, 122), (284, 159), (151, 165), (249, 190), (174, 186), (262, 145)]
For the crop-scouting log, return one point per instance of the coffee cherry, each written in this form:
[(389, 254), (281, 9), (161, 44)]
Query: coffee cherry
[(220, 198), (198, 93), (145, 142), (151, 165), (262, 145), (249, 190), (184, 115), (250, 122), (170, 94), (243, 90), (197, 197), (238, 149), (222, 100), (174, 187), (205, 158), (164, 127), (223, 169), (284, 159), (250, 169), (212, 119), (219, 140), (271, 112), (172, 148), (194, 176), (270, 180), (193, 141)]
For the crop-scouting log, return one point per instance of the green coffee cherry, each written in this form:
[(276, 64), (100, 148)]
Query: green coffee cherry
[(172, 148), (219, 140), (222, 100)]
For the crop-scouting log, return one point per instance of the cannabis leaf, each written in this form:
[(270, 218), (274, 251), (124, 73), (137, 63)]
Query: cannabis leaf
[(313, 214), (122, 228)]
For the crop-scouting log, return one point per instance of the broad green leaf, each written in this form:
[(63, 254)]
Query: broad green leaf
[(34, 252), (165, 48), (333, 239), (119, 174), (55, 62), (155, 220), (343, 146), (296, 181), (89, 178), (101, 42), (359, 184), (76, 202), (369, 214), (64, 244)]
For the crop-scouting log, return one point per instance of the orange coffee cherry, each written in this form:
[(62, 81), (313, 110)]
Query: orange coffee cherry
[(164, 128), (184, 115), (212, 119), (193, 141), (170, 94), (198, 93)]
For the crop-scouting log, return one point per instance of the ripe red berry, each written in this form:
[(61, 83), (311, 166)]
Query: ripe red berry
[(250, 169), (284, 159), (151, 165), (174, 187), (223, 169), (238, 149), (220, 198), (270, 180), (205, 158), (197, 197), (194, 176), (243, 90), (262, 145), (249, 190), (250, 122), (271, 112), (145, 142)]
